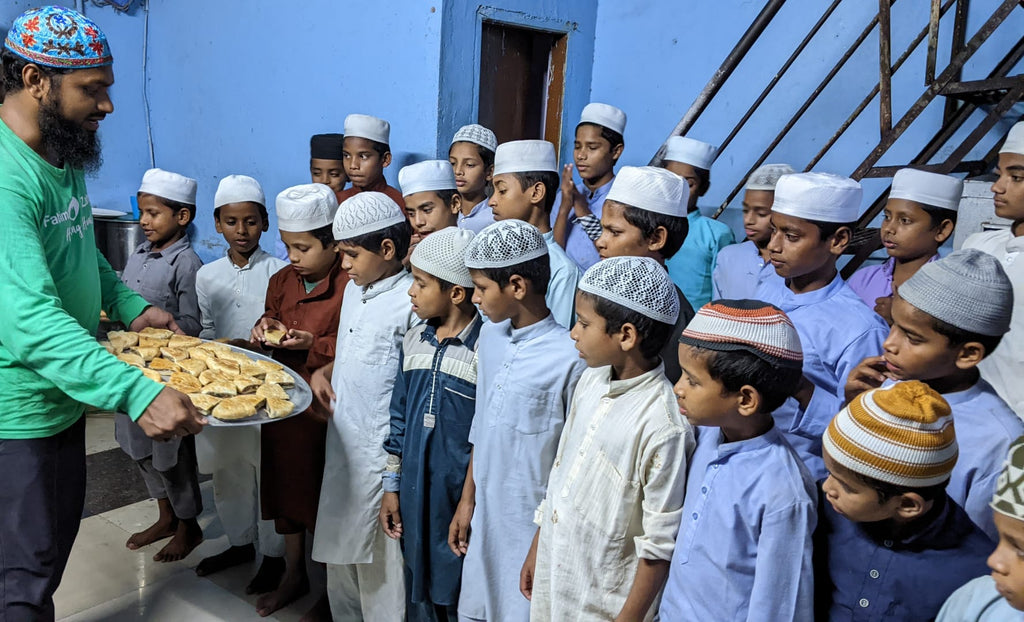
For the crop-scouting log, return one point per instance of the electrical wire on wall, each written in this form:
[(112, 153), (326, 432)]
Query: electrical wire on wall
[(145, 82)]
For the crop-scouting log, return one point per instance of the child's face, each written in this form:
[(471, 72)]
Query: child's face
[(160, 224), (428, 213), (471, 176), (428, 301), (509, 200), (907, 231), (592, 153), (365, 267), (702, 399), (796, 248), (596, 347), (1007, 561), (913, 350), (619, 238), (757, 215), (363, 165), (241, 224), (330, 173), (497, 303), (688, 173), (1009, 187), (852, 498), (308, 256)]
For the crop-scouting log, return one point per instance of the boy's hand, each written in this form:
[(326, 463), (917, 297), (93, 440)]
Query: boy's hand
[(320, 383), (529, 567), (390, 518), (297, 340), (568, 189), (458, 531), (154, 317), (883, 307), (868, 374), (171, 415), (256, 336)]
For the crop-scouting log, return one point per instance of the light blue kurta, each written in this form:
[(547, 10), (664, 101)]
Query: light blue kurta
[(744, 545), (837, 331), (565, 276), (739, 271), (525, 382), (691, 267), (978, 601), (478, 218), (578, 244)]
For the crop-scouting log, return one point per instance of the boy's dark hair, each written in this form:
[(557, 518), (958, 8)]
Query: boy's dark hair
[(263, 212), (379, 147), (939, 214), (325, 234), (653, 334), (485, 154), (175, 206), (887, 491), (613, 137), (399, 235), (446, 286), (958, 336), (13, 66), (828, 229), (548, 178), (676, 227), (537, 271), (446, 196), (703, 180), (737, 368)]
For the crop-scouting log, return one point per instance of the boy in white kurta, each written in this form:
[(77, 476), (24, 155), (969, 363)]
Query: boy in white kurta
[(364, 567), (607, 526)]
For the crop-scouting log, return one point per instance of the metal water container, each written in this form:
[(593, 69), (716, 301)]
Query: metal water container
[(117, 238)]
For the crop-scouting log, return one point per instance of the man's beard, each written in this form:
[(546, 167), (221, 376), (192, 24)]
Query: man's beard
[(68, 141)]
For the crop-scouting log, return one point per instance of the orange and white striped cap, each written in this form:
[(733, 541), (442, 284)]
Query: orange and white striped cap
[(902, 435)]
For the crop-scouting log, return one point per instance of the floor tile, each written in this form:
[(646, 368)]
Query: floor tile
[(99, 432)]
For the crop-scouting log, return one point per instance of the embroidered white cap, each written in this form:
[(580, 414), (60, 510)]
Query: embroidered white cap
[(426, 176), (478, 135), (505, 243), (1014, 140), (168, 185), (604, 115), (364, 213), (239, 189), (942, 191), (690, 151), (305, 207), (370, 128), (525, 156), (766, 176), (652, 189), (823, 197), (637, 283), (443, 255)]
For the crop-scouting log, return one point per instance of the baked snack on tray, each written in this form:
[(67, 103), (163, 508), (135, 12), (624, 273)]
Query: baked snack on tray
[(280, 377), (158, 333), (270, 390), (192, 366), (220, 389), (277, 408), (183, 341), (204, 403)]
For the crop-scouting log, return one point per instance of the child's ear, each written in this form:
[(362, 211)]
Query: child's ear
[(456, 204), (387, 249), (216, 225), (944, 230), (385, 160), (183, 217), (840, 240), (970, 355), (748, 400), (616, 151), (520, 286), (658, 239), (537, 193), (911, 505), (457, 294), (490, 174), (629, 337)]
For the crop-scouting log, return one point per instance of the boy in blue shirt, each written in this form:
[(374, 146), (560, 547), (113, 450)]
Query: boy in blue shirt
[(525, 182), (946, 319), (576, 215), (526, 374), (692, 266), (890, 543), (432, 408), (750, 503), (471, 155)]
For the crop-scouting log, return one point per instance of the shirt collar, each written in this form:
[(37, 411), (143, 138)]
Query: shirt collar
[(771, 437), (598, 193), (377, 186), (534, 330), (809, 298), (168, 253), (467, 336), (257, 256), (944, 524), (384, 285), (694, 216), (890, 265), (618, 387), (1015, 244), (473, 212), (961, 397)]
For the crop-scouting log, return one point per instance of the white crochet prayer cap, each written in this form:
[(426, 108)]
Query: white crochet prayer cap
[(442, 254), (168, 185), (690, 151), (652, 189), (370, 128), (1014, 140), (637, 283), (364, 213), (823, 197), (942, 191), (505, 243), (426, 176), (525, 156), (239, 189), (306, 207), (605, 116), (478, 135), (766, 176)]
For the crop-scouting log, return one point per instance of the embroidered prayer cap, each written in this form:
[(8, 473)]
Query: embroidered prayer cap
[(55, 36), (442, 254), (525, 156), (902, 435), (478, 135), (823, 197), (690, 151), (364, 213), (652, 189), (370, 128), (168, 185), (505, 243), (306, 207), (1014, 140), (239, 189), (426, 176), (748, 325), (942, 191), (326, 146), (637, 283), (604, 115), (1009, 496), (766, 176), (967, 289)]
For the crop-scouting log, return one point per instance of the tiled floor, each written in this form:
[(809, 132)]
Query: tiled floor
[(105, 581)]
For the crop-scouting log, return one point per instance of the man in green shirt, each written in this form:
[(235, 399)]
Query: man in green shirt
[(53, 284)]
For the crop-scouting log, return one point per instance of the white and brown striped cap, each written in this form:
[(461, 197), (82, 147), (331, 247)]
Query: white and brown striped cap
[(749, 325)]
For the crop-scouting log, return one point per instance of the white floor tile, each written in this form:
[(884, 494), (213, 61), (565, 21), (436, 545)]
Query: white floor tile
[(99, 432)]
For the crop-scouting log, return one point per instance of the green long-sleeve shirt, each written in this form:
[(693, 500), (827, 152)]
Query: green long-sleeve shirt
[(53, 283)]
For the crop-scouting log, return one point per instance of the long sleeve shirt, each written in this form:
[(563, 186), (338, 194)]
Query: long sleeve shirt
[(979, 601), (565, 276), (231, 298), (692, 265), (53, 283), (739, 271), (579, 244), (525, 381), (167, 279), (744, 549), (432, 408), (614, 496)]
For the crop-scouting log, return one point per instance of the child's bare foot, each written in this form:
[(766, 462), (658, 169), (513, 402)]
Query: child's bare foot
[(268, 577), (186, 538), (164, 527), (320, 612), (234, 556), (294, 585)]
